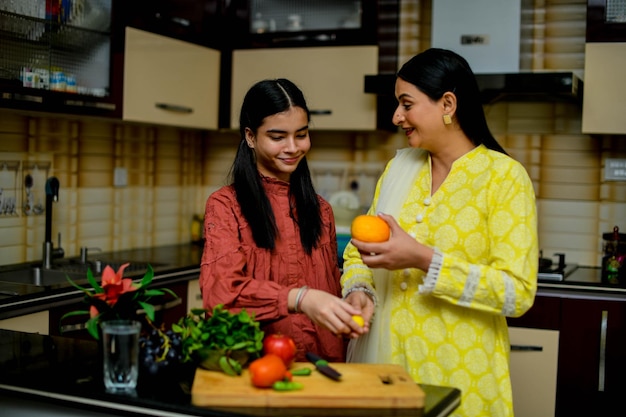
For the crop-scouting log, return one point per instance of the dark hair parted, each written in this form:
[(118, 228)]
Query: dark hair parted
[(436, 71), (267, 98)]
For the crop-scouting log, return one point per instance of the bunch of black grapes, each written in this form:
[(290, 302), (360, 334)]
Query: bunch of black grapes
[(160, 350)]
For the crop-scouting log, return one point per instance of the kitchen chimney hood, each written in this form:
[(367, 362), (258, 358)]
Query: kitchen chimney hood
[(518, 86), (505, 87)]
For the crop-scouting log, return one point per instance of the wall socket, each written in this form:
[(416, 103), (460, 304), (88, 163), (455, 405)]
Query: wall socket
[(614, 169), (120, 177)]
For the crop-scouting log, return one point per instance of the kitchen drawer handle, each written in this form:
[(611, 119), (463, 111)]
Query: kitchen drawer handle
[(174, 107), (321, 112), (602, 365), (526, 348)]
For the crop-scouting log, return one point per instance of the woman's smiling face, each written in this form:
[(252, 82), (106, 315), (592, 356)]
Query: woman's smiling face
[(280, 143), (418, 115)]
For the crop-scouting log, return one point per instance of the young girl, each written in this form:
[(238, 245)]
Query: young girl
[(270, 239)]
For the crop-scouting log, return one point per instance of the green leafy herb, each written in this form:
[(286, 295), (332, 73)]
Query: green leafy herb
[(220, 340)]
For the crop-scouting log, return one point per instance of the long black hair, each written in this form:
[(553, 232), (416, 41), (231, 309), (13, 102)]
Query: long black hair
[(267, 98), (436, 71)]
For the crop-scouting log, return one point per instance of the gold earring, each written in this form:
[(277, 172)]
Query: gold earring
[(447, 119)]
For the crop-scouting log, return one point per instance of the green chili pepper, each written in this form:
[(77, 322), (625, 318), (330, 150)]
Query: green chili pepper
[(287, 386), (301, 372)]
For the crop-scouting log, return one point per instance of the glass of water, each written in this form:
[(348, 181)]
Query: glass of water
[(120, 339)]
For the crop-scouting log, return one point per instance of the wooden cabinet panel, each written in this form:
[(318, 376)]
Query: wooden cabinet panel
[(533, 361), (30, 323), (605, 89), (544, 314), (170, 82), (331, 78), (592, 356), (194, 296)]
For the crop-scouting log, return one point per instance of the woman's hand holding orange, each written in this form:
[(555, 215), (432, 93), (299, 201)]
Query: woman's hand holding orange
[(398, 252)]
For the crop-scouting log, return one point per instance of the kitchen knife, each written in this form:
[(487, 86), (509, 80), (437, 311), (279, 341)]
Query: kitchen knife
[(322, 366)]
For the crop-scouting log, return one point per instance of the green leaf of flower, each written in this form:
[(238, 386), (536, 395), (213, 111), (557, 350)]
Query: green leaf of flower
[(148, 308), (147, 278)]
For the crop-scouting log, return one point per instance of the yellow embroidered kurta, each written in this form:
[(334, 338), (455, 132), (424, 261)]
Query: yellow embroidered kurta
[(448, 326)]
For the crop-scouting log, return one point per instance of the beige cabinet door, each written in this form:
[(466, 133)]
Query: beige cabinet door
[(29, 323), (604, 97), (170, 82), (331, 78), (194, 296), (534, 363)]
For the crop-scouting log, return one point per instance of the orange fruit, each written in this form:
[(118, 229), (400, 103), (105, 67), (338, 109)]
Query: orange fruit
[(368, 228)]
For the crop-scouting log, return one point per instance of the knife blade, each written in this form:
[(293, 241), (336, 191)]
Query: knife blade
[(322, 366)]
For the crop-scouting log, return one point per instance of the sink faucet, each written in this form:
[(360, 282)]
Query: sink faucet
[(52, 194)]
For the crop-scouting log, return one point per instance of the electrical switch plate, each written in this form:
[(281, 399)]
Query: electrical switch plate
[(615, 169), (120, 177)]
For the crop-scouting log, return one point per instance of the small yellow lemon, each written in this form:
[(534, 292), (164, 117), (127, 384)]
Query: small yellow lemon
[(359, 320)]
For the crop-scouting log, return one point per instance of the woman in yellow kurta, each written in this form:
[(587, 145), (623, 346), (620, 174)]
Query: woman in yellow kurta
[(463, 249)]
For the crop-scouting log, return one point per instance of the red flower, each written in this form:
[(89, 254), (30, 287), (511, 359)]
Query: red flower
[(114, 284)]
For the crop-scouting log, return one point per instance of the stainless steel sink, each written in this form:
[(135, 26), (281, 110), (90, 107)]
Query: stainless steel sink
[(39, 277), (57, 276)]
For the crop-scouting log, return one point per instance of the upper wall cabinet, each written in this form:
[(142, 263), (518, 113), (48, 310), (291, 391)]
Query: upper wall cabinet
[(203, 22), (605, 90), (169, 81), (606, 21), (58, 57), (331, 79), (288, 23)]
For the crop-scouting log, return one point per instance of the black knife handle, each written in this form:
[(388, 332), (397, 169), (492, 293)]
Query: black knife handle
[(313, 357)]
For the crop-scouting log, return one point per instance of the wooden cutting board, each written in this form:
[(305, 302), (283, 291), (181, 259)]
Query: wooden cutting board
[(364, 389)]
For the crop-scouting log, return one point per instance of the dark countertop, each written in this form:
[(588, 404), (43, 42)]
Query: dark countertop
[(66, 372), (584, 282)]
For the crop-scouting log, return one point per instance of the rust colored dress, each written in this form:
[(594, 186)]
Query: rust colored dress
[(238, 274)]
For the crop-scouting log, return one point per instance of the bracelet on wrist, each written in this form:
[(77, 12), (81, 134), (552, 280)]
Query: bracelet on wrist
[(366, 289), (299, 297)]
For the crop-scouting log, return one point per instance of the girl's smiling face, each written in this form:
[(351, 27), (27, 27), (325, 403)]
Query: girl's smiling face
[(280, 143)]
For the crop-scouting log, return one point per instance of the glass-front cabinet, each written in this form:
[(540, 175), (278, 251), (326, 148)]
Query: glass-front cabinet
[(606, 21), (57, 56), (309, 22)]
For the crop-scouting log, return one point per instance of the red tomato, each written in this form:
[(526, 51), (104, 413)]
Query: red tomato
[(282, 346), (267, 370)]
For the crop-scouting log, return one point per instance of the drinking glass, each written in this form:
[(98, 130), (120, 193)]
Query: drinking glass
[(120, 340)]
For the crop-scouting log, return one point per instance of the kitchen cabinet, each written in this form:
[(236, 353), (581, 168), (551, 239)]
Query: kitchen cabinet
[(29, 323), (59, 59), (331, 79), (170, 82), (533, 365), (592, 356), (194, 296), (605, 21), (605, 89), (591, 349), (203, 22), (285, 23)]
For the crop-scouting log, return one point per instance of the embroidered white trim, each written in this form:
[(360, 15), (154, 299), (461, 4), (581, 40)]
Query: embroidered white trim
[(509, 295), (365, 288), (434, 269), (471, 284)]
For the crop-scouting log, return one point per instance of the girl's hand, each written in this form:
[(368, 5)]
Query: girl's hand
[(331, 312)]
